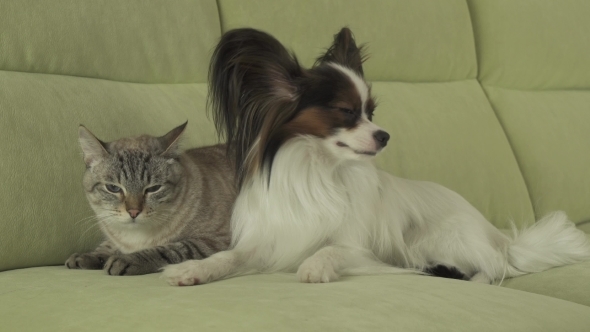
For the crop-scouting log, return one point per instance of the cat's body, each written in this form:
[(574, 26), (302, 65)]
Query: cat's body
[(154, 205)]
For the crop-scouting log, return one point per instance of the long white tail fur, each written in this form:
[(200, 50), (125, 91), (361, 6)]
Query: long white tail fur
[(551, 242)]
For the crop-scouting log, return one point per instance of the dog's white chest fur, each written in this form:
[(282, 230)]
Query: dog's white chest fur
[(310, 202)]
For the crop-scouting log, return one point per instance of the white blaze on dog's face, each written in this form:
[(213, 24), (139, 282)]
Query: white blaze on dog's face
[(336, 106), (363, 139)]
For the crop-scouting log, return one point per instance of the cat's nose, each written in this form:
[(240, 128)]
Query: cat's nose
[(133, 213)]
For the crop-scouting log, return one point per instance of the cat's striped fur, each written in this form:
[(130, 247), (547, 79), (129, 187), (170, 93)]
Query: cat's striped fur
[(155, 206)]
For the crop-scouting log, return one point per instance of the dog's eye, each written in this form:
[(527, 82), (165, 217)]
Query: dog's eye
[(112, 188), (347, 110), (370, 113), (153, 189)]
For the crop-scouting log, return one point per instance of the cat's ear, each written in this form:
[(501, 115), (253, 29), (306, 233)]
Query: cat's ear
[(170, 141), (344, 52), (93, 148)]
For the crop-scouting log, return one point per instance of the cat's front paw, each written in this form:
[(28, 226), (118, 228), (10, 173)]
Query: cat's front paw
[(315, 270), (187, 273), (125, 265), (86, 261)]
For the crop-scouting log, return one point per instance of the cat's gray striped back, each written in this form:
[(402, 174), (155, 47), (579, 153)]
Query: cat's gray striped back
[(155, 205)]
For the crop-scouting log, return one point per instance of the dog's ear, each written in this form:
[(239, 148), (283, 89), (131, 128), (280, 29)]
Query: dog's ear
[(344, 52), (253, 91)]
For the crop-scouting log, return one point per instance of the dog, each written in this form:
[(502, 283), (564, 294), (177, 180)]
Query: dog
[(311, 199)]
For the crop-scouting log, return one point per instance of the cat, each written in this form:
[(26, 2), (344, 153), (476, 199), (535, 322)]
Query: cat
[(155, 205)]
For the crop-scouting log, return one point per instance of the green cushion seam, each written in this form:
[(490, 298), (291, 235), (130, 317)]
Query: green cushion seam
[(477, 62), (534, 90), (474, 34), (518, 161), (100, 78), (221, 27)]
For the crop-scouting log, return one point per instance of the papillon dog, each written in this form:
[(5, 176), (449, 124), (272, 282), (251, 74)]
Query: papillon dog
[(311, 199)]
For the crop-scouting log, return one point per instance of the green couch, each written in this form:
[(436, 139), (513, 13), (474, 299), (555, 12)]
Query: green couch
[(488, 97)]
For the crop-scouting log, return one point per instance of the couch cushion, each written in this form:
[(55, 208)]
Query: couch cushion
[(534, 64), (550, 134), (568, 282), (416, 41), (150, 41), (448, 133), (532, 44), (44, 210), (584, 226), (57, 299)]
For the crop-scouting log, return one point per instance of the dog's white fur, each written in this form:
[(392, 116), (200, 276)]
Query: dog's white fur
[(328, 211)]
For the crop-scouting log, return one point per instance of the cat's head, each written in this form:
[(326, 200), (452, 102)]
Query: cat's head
[(132, 181)]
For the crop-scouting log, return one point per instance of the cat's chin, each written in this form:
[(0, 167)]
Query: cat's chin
[(135, 222), (127, 223)]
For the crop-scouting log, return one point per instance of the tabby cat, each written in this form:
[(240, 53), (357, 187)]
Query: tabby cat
[(154, 204)]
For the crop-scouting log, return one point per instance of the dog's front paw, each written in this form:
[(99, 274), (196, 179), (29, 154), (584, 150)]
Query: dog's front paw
[(124, 265), (86, 261), (189, 273), (315, 270)]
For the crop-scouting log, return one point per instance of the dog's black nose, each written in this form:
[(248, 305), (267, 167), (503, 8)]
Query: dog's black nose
[(381, 138)]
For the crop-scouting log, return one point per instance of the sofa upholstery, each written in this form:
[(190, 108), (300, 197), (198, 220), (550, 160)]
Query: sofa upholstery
[(490, 98)]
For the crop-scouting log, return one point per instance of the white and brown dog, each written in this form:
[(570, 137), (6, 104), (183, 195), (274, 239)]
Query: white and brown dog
[(311, 199)]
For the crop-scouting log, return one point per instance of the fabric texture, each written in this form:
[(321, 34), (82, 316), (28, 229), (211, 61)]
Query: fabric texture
[(448, 133), (147, 41), (45, 213), (487, 97), (549, 133), (567, 282), (411, 41), (532, 44), (74, 300)]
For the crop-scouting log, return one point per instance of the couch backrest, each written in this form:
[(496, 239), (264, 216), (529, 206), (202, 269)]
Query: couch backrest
[(476, 95), (119, 67), (534, 66)]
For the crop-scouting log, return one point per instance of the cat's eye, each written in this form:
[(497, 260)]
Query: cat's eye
[(112, 188), (153, 189)]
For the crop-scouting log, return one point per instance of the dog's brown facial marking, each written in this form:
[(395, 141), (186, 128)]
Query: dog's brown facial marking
[(313, 121), (330, 100), (349, 105)]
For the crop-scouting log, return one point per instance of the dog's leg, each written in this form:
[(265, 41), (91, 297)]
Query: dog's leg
[(481, 278), (328, 263), (218, 266), (322, 266)]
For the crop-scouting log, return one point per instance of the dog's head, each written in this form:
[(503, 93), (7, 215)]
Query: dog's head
[(262, 97)]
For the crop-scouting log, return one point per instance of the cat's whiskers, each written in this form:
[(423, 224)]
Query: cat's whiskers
[(92, 218), (97, 220), (162, 216), (87, 217), (100, 218), (159, 220)]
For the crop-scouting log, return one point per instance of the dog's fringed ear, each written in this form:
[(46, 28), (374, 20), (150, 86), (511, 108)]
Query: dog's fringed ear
[(253, 91), (344, 52)]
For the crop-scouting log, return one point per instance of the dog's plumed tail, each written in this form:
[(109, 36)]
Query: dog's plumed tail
[(551, 242)]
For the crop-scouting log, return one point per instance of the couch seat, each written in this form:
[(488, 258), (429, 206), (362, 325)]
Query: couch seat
[(58, 299)]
